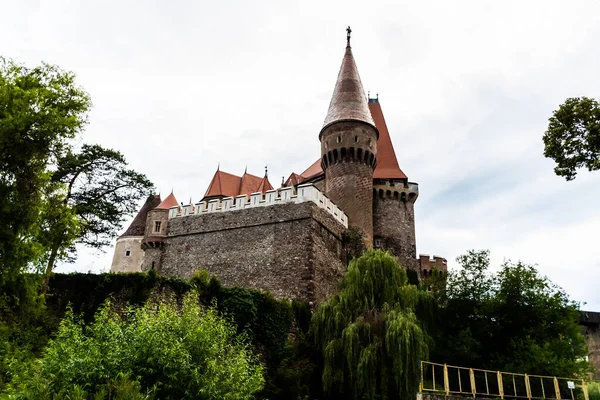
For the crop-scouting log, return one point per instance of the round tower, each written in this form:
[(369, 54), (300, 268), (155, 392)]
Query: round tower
[(155, 233), (129, 256), (349, 148)]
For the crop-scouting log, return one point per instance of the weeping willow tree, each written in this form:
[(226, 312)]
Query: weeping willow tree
[(373, 333)]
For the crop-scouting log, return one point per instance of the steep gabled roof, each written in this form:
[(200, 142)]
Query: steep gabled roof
[(264, 185), (249, 184), (313, 170), (348, 101), (387, 163), (138, 225), (225, 184), (168, 202), (293, 180)]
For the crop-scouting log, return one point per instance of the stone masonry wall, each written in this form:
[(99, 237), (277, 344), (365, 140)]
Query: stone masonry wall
[(590, 326), (128, 263), (394, 226), (292, 250), (348, 151)]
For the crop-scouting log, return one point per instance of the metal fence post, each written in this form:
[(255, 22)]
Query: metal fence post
[(556, 389), (472, 375), (446, 381), (421, 383), (500, 385)]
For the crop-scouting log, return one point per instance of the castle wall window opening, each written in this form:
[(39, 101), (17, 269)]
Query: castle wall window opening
[(157, 226), (127, 253)]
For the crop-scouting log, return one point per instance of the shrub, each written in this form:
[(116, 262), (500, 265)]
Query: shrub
[(177, 352)]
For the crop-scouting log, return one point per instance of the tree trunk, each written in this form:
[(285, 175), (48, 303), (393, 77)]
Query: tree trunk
[(49, 268)]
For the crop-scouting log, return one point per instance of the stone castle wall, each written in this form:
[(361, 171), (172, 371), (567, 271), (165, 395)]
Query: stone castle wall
[(348, 154), (590, 326), (394, 229), (291, 249), (128, 256)]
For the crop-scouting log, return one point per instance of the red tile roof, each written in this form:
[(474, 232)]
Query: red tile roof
[(387, 163), (293, 180), (168, 202), (224, 184), (348, 101), (314, 169)]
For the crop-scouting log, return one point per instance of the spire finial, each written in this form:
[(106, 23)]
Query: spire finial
[(266, 171), (348, 32), (246, 169), (219, 166)]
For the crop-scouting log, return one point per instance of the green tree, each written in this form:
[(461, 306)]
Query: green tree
[(537, 323), (573, 137), (514, 320), (370, 335), (41, 109), (95, 188), (177, 352)]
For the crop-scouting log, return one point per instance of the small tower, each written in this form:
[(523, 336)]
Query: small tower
[(349, 148), (155, 233), (129, 255), (393, 198)]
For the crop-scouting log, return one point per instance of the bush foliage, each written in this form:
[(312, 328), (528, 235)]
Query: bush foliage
[(186, 351)]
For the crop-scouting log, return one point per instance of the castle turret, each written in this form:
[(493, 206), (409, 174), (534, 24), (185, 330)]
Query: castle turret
[(155, 232), (129, 256), (349, 147), (393, 199)]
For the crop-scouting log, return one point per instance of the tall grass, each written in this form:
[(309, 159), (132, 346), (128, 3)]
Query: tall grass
[(594, 390)]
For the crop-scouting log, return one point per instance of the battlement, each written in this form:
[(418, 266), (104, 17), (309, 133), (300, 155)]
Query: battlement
[(396, 189), (430, 264), (301, 194)]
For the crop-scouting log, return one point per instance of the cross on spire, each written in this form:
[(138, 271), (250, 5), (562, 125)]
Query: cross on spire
[(348, 32)]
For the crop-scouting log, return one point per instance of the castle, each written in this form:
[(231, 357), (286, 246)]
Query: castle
[(290, 240)]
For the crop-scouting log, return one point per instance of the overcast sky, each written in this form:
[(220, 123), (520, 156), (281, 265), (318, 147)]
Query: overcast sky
[(466, 88)]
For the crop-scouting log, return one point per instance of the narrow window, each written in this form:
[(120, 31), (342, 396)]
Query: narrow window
[(339, 139), (127, 253), (377, 243), (152, 264), (355, 139), (157, 226)]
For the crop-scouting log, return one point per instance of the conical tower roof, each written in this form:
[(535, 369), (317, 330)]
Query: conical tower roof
[(138, 225), (387, 163), (168, 202), (348, 102)]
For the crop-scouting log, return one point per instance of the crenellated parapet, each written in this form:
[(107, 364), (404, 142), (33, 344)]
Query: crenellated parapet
[(396, 189), (430, 264), (299, 194)]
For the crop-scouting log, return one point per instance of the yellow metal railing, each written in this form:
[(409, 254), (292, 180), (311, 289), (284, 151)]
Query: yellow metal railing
[(449, 379)]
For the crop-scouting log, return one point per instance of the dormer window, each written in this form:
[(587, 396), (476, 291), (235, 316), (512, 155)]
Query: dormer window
[(157, 226)]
